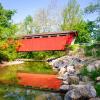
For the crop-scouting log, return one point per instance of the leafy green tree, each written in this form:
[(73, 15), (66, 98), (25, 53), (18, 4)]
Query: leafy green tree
[(26, 27), (84, 35), (7, 29), (71, 15), (73, 20), (28, 23), (95, 9)]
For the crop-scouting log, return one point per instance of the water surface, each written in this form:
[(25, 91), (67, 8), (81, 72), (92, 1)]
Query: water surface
[(15, 92)]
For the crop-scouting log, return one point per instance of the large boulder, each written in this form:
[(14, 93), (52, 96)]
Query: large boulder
[(97, 98), (95, 65), (87, 91), (72, 80), (72, 95), (80, 91), (70, 69), (98, 79), (62, 71), (65, 87)]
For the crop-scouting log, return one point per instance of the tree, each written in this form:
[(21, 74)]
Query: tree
[(71, 15), (7, 29), (43, 21), (26, 27), (28, 23), (73, 20), (91, 9), (84, 34)]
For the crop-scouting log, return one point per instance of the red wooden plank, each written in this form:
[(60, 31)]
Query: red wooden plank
[(42, 44)]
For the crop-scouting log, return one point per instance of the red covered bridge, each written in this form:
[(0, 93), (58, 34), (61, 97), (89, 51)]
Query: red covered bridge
[(46, 41)]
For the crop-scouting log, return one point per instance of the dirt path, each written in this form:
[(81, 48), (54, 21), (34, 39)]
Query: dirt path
[(39, 80)]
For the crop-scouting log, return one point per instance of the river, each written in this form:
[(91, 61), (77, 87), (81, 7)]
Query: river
[(9, 90)]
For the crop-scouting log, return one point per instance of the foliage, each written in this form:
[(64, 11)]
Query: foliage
[(72, 20), (6, 26), (97, 87), (95, 9), (8, 49), (7, 30), (92, 50), (26, 27), (71, 15), (41, 55), (41, 22), (72, 49), (93, 75), (83, 32), (84, 71)]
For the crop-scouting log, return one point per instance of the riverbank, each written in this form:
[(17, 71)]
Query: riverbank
[(3, 64), (79, 75)]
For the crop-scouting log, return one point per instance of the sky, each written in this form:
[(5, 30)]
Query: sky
[(30, 7)]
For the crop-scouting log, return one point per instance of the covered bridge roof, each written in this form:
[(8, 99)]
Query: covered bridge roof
[(52, 34)]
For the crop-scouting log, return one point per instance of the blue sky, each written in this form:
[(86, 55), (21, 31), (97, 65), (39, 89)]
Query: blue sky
[(29, 7)]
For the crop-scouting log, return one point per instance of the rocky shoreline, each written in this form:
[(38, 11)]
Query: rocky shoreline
[(76, 86)]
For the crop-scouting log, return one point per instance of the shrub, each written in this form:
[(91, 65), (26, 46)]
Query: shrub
[(92, 74), (97, 87)]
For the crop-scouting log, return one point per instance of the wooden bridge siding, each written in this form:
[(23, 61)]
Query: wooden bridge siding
[(43, 44)]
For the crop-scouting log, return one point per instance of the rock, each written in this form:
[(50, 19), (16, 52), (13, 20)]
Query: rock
[(93, 65), (70, 69), (59, 63), (98, 79), (66, 61), (65, 82), (50, 96), (90, 68), (65, 75), (87, 91), (85, 79), (82, 83), (72, 95), (78, 68), (72, 80), (95, 98), (80, 91), (65, 87), (62, 71)]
